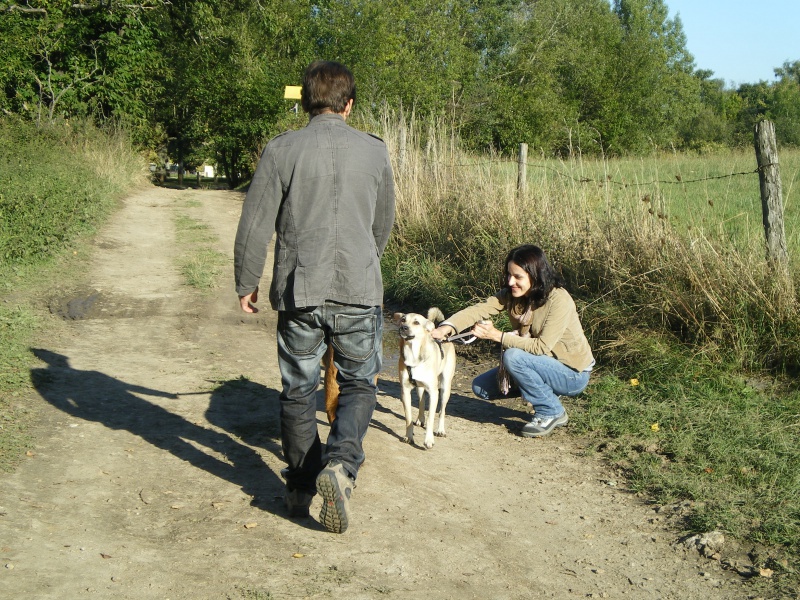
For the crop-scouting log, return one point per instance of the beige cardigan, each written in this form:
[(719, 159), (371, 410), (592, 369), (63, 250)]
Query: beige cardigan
[(555, 329)]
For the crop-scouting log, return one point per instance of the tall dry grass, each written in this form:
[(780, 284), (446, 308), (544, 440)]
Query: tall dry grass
[(636, 251)]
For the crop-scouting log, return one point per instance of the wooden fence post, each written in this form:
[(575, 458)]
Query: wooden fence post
[(769, 176), (522, 163)]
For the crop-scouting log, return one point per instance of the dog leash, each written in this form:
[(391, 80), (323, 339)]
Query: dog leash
[(462, 337)]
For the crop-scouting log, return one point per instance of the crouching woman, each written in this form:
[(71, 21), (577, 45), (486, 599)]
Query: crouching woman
[(546, 355)]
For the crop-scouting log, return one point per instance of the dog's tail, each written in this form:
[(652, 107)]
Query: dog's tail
[(435, 315)]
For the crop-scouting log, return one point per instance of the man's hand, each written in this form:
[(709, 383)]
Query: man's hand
[(247, 301)]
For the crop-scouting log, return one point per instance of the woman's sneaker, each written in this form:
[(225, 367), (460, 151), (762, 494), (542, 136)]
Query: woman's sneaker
[(335, 485), (540, 426)]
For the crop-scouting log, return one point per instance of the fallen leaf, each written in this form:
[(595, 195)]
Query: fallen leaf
[(30, 453), (177, 506), (765, 572), (298, 555), (217, 505), (654, 427), (708, 470), (105, 555), (634, 382), (250, 525)]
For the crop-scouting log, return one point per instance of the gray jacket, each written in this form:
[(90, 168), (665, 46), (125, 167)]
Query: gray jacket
[(328, 193)]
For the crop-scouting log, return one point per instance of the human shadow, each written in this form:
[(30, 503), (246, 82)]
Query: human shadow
[(250, 412), (95, 396)]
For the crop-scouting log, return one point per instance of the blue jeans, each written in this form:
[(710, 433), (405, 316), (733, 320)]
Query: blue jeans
[(539, 379), (356, 334)]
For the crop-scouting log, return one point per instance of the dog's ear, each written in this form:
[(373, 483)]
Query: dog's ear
[(430, 326), (397, 317)]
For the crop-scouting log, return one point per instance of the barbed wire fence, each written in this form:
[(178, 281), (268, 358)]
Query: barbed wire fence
[(768, 171)]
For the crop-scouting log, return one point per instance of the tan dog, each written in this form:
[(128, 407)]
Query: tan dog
[(427, 365), (331, 386)]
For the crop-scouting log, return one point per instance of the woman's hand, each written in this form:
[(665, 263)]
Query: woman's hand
[(442, 332), (486, 330)]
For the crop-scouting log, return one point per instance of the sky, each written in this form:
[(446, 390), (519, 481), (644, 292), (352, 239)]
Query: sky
[(742, 41)]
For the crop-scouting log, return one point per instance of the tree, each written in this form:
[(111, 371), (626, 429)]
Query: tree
[(70, 60), (713, 123), (785, 106), (229, 64), (584, 73), (412, 53), (653, 87)]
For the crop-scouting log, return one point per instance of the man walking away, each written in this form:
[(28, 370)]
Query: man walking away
[(327, 192)]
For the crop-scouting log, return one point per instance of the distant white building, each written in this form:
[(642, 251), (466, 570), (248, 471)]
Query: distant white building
[(208, 171)]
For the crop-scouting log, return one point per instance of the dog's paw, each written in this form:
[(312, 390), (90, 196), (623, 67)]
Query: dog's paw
[(440, 434), (428, 443), (407, 440), (419, 423)]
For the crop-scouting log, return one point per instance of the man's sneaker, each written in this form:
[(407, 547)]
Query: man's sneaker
[(298, 503), (335, 487), (540, 426)]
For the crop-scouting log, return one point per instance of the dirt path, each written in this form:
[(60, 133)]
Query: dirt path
[(156, 468)]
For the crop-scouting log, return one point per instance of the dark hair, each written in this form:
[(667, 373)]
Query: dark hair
[(533, 261), (327, 85)]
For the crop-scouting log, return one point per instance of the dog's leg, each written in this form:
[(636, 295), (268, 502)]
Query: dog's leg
[(331, 385), (433, 396), (445, 392), (421, 413), (405, 396), (446, 386)]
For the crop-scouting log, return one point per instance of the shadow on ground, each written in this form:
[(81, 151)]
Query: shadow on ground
[(242, 409)]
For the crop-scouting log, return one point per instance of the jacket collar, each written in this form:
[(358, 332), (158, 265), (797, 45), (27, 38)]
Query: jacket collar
[(326, 117)]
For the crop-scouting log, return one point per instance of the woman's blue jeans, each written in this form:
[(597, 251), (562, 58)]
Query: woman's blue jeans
[(539, 379), (356, 334)]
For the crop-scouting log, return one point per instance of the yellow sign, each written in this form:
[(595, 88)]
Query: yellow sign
[(292, 92)]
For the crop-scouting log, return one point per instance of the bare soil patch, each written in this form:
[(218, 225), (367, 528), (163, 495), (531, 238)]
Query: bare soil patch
[(156, 470)]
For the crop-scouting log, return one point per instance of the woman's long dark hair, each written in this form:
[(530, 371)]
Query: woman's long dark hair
[(533, 261)]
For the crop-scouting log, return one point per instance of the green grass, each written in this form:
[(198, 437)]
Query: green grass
[(199, 263), (715, 195), (692, 429), (53, 189), (17, 326)]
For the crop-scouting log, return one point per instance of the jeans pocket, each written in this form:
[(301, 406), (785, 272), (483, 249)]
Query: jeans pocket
[(354, 335), (301, 338)]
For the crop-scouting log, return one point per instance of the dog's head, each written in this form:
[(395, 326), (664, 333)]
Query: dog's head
[(411, 325)]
